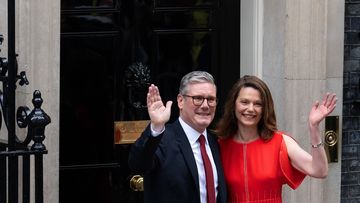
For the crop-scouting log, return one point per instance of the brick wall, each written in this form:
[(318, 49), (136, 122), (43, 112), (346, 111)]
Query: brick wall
[(350, 172)]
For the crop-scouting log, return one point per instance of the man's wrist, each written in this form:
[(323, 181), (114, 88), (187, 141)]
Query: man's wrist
[(156, 130)]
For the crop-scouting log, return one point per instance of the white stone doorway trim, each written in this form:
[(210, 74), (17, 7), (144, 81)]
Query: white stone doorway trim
[(251, 37)]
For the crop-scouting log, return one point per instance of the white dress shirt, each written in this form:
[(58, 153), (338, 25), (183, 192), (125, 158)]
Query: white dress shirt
[(193, 137)]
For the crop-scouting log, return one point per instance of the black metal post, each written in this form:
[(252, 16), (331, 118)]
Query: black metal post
[(13, 179), (10, 98), (37, 121), (26, 178), (3, 175), (39, 196)]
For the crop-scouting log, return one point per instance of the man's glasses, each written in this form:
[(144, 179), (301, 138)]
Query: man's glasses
[(199, 100)]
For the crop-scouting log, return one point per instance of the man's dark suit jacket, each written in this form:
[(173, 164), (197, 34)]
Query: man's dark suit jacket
[(169, 168)]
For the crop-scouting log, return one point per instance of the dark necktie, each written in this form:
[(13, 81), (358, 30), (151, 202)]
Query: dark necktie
[(210, 187)]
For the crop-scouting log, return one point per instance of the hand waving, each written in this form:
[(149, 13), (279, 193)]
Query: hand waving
[(320, 110), (159, 114)]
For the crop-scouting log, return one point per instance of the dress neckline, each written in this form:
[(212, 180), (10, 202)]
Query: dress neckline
[(244, 143)]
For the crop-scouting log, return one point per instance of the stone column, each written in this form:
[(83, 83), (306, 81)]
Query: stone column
[(302, 61), (38, 46)]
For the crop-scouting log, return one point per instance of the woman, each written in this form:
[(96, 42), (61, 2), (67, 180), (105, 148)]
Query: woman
[(257, 158)]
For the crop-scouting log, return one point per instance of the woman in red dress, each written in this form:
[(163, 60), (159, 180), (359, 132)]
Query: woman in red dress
[(257, 158)]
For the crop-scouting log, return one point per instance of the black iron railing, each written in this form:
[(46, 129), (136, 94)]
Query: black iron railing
[(15, 152)]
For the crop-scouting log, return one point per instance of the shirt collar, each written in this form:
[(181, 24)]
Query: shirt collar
[(191, 133)]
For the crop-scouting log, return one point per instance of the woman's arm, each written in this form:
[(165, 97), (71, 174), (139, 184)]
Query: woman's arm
[(314, 164)]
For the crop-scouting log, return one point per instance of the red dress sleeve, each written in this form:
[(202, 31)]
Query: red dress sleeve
[(292, 176)]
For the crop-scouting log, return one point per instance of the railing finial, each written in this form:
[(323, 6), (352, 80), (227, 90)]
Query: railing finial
[(37, 120)]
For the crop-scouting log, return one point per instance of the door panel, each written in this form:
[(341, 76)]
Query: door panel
[(110, 52), (185, 3)]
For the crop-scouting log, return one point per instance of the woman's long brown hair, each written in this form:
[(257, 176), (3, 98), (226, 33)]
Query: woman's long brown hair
[(227, 125)]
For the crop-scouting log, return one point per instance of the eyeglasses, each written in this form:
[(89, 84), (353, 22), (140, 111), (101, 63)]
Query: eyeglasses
[(199, 100)]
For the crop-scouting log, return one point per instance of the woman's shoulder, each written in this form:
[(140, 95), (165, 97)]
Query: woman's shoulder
[(282, 135), (288, 139), (277, 136)]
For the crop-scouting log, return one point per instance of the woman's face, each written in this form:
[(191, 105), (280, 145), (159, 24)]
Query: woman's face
[(248, 107)]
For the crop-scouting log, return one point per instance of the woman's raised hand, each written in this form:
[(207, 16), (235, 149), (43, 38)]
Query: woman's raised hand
[(322, 109)]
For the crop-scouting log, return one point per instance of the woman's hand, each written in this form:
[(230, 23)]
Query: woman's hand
[(320, 110)]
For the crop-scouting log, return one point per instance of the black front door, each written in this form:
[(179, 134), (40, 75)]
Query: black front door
[(111, 50)]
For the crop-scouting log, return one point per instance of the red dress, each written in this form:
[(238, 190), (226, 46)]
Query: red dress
[(256, 171)]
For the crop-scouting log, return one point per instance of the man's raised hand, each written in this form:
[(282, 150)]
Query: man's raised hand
[(159, 114)]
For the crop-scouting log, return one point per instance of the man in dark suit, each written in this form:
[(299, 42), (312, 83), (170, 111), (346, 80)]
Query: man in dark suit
[(172, 157)]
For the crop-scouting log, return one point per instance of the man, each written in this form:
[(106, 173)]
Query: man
[(172, 157)]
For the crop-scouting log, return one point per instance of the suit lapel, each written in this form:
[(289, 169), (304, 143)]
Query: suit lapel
[(187, 153), (221, 178)]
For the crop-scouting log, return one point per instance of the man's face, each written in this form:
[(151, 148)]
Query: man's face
[(198, 117)]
